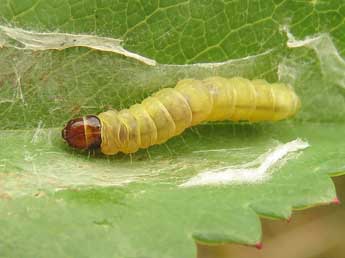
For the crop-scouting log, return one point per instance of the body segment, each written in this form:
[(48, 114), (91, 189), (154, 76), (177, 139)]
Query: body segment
[(170, 111)]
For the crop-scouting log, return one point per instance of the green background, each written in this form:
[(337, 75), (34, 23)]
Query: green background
[(57, 202)]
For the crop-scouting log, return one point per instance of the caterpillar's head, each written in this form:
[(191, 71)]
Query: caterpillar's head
[(83, 132)]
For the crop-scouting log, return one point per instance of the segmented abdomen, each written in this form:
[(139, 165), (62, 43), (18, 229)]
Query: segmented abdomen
[(170, 111)]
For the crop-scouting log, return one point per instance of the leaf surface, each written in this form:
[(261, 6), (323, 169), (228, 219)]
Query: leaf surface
[(62, 59)]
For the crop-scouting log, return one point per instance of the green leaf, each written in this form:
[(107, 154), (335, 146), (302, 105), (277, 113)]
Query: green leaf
[(62, 59)]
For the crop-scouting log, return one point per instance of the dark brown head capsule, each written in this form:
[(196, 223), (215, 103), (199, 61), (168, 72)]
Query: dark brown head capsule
[(83, 132)]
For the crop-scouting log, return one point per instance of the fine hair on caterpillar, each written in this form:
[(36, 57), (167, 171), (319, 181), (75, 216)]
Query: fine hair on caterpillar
[(170, 111)]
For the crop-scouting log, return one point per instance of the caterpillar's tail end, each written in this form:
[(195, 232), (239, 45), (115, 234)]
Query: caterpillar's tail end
[(83, 133)]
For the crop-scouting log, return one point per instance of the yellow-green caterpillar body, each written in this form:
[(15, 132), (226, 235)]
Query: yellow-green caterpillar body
[(170, 111)]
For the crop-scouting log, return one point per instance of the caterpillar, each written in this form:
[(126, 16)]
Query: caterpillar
[(170, 111)]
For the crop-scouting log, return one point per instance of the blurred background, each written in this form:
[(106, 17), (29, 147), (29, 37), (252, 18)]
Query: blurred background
[(317, 232)]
